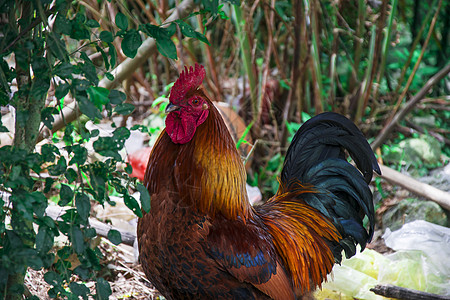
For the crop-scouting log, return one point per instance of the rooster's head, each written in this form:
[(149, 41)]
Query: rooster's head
[(188, 106)]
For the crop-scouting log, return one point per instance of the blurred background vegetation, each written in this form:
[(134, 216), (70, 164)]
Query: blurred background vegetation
[(67, 65)]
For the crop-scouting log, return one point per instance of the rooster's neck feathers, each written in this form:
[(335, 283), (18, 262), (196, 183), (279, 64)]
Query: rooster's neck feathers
[(206, 172)]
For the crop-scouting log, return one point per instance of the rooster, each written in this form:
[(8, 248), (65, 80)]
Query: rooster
[(203, 240)]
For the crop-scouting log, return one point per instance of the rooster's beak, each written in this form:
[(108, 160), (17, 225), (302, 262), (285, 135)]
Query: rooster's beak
[(172, 107)]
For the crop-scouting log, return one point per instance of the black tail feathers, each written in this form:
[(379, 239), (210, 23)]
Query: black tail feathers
[(317, 156)]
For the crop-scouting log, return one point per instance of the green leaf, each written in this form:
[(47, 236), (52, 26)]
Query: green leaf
[(80, 85), (85, 57), (57, 46), (145, 197), (39, 202), (44, 240), (169, 30), (79, 31), (103, 289), (121, 21), (89, 71), (129, 169), (62, 90), (202, 38), (167, 48), (162, 36), (83, 205), (64, 70), (77, 239), (106, 36), (62, 24), (117, 97), (90, 232), (98, 96), (131, 43), (48, 184), (113, 54), (139, 127), (48, 152), (80, 18), (68, 138), (40, 87), (109, 76), (80, 155), (92, 23), (66, 195), (104, 56), (95, 133), (120, 135), (244, 134), (70, 175), (132, 204), (47, 116), (186, 29), (114, 236), (79, 289), (108, 147), (124, 109), (88, 108), (59, 168), (40, 66), (53, 278)]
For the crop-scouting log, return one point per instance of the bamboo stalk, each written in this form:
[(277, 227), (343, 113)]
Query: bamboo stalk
[(365, 83), (358, 45), (247, 58), (385, 47), (295, 71), (374, 61), (315, 50)]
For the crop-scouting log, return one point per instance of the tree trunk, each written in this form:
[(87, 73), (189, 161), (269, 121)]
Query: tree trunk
[(28, 109)]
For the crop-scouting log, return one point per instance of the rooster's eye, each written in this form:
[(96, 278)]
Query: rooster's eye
[(195, 101)]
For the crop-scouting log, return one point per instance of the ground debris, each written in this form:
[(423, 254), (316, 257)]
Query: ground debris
[(126, 278)]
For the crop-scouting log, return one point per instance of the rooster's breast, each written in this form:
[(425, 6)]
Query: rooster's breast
[(173, 246)]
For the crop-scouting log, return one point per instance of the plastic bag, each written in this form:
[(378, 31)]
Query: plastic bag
[(422, 262), (422, 258)]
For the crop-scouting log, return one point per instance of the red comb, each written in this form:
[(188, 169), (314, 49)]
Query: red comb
[(189, 79)]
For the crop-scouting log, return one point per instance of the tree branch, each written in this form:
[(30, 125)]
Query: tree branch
[(391, 291), (419, 188), (101, 228)]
